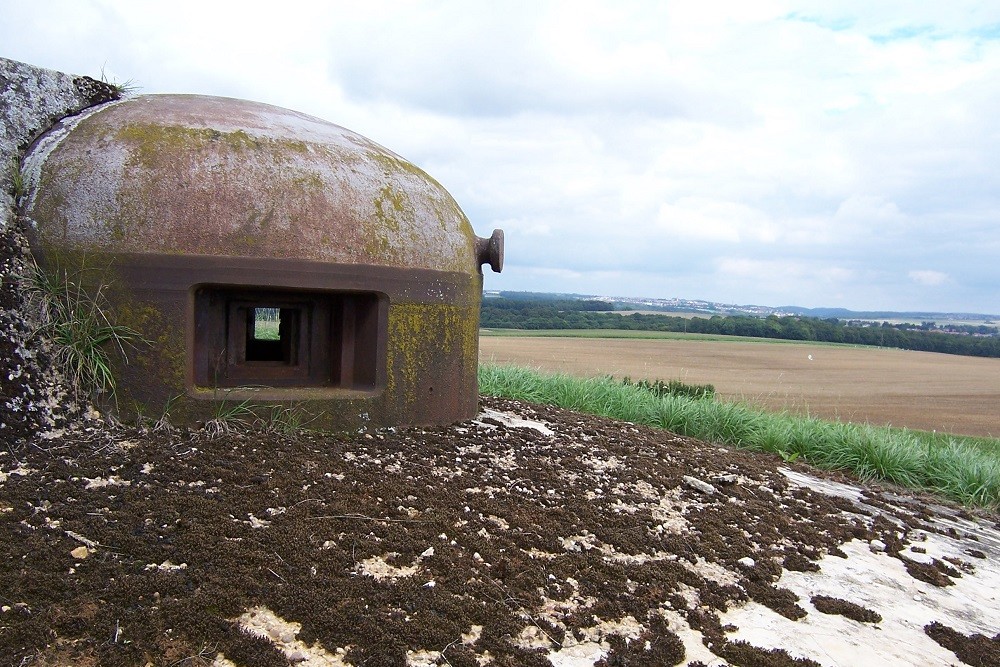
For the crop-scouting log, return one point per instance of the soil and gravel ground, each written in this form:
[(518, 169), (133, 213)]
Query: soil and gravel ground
[(529, 536)]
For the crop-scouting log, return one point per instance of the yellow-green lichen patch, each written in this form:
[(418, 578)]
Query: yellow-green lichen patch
[(90, 269), (181, 175), (308, 182), (153, 143), (393, 164), (155, 369), (427, 343), (390, 205), (210, 199), (445, 207)]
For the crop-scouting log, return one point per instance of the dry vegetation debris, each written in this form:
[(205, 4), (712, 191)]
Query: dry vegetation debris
[(530, 536)]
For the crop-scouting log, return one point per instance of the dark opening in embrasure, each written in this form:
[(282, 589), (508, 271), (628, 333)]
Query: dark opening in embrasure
[(273, 334), (247, 337)]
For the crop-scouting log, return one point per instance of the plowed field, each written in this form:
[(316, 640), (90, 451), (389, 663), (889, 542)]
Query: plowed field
[(918, 390)]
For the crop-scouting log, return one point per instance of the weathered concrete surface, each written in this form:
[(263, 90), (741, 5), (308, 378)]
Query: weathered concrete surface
[(867, 575), (31, 100), (197, 175), (160, 197)]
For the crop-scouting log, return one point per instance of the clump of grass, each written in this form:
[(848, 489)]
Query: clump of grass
[(121, 88), (285, 419), (672, 388), (76, 322), (229, 418), (18, 184), (246, 415), (960, 469), (159, 424)]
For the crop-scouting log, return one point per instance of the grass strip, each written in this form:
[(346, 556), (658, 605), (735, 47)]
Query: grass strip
[(968, 472)]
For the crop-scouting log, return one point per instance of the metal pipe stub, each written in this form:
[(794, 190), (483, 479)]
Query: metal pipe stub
[(490, 251)]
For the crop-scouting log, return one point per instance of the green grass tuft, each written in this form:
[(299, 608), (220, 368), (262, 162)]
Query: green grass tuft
[(246, 416), (673, 387), (76, 323), (121, 88), (18, 184), (963, 469)]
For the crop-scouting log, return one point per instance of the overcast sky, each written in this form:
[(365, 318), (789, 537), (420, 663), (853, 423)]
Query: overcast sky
[(830, 153)]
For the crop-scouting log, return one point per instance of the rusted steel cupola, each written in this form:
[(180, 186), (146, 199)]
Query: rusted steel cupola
[(267, 256)]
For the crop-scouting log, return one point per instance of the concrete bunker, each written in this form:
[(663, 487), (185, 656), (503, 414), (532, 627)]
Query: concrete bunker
[(268, 257)]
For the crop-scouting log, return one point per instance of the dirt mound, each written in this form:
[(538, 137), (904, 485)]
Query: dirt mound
[(530, 536)]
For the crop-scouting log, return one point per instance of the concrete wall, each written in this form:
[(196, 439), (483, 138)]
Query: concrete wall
[(32, 99)]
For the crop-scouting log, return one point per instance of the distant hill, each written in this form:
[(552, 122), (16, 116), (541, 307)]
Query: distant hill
[(928, 332), (717, 308), (845, 314)]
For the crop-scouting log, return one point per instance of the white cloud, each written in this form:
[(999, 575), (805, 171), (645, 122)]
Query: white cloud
[(928, 278), (787, 274), (867, 210), (718, 221), (789, 149)]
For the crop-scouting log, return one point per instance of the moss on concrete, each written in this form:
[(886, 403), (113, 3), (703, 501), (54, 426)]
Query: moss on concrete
[(166, 187), (424, 339), (153, 143), (188, 190)]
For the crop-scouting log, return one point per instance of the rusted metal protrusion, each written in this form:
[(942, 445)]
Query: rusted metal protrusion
[(270, 257), (490, 251)]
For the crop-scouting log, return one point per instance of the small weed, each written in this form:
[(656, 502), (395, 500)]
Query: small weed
[(229, 418), (122, 89), (76, 323), (163, 423), (286, 420), (789, 457), (20, 187), (160, 424)]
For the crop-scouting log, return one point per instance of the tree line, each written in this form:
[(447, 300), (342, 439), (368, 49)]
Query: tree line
[(504, 313)]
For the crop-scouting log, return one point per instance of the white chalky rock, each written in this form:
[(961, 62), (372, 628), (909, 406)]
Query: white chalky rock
[(698, 485)]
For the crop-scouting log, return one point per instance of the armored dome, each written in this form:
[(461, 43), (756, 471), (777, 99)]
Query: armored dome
[(266, 256), (195, 175)]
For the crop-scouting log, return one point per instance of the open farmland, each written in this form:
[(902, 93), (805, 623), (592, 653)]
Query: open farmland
[(917, 390)]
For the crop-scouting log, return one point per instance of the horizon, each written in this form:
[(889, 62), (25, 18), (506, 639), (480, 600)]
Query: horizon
[(728, 304), (785, 152)]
